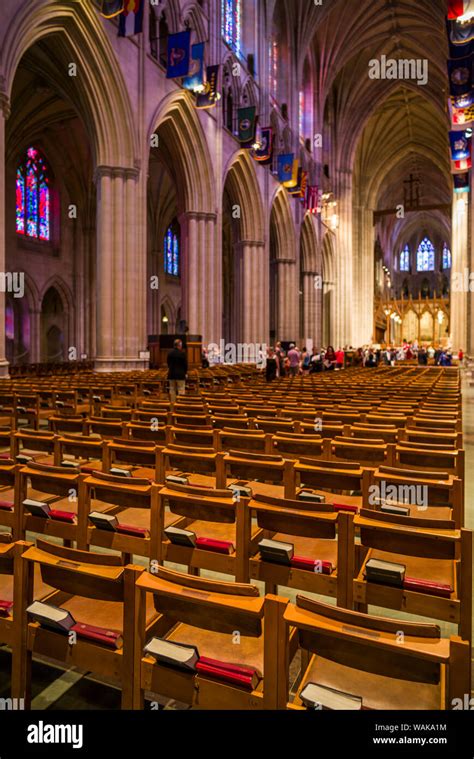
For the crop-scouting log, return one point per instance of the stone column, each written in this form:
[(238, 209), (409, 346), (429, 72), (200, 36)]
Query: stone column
[(202, 276), (121, 282), (4, 114), (287, 299), (344, 315), (312, 307), (251, 291), (363, 286), (460, 272)]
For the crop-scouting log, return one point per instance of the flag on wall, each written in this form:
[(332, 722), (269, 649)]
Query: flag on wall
[(457, 8), (247, 124), (465, 164), (131, 19), (210, 96), (111, 8), (460, 145), (195, 78), (178, 54), (285, 167), (293, 180), (264, 154), (311, 198), (460, 116), (299, 189), (460, 77), (460, 35), (461, 182)]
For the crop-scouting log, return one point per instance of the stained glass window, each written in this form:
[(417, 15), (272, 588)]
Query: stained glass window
[(273, 68), (171, 249), (425, 256), (446, 257), (33, 201), (301, 119), (232, 23), (405, 259)]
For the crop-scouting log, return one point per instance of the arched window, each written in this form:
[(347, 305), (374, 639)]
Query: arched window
[(405, 259), (425, 256), (446, 257), (33, 201), (232, 23), (171, 249), (305, 121)]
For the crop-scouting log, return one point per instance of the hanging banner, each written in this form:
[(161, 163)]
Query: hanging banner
[(264, 154), (461, 182), (111, 8), (195, 79), (131, 20), (247, 124), (460, 78), (210, 96), (460, 143), (311, 199), (178, 54), (460, 9), (285, 167)]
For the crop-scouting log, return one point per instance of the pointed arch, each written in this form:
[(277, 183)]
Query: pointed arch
[(101, 89), (310, 254), (282, 219), (177, 123), (241, 180)]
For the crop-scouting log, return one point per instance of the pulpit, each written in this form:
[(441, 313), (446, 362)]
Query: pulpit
[(160, 345)]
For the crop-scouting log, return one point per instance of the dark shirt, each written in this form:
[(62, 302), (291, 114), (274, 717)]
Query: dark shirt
[(177, 365)]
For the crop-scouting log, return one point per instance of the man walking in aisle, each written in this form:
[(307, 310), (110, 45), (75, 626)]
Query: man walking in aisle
[(177, 370)]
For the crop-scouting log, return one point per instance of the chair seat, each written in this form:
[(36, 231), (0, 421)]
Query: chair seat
[(311, 548), (220, 646), (108, 614), (40, 588), (216, 530), (141, 517), (377, 691), (437, 570)]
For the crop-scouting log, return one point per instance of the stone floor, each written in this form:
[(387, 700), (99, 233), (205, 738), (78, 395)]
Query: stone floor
[(54, 688)]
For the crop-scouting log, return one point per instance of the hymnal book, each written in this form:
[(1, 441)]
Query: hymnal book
[(96, 398), (43, 510), (71, 463), (110, 523), (110, 638), (51, 616), (218, 546), (173, 654), (6, 505), (385, 572), (22, 458), (307, 495), (5, 608), (21, 409), (312, 565), (316, 696), (59, 404), (103, 521), (427, 586), (390, 508), (241, 487), (234, 674), (276, 551), (179, 479), (120, 472), (346, 507), (180, 537)]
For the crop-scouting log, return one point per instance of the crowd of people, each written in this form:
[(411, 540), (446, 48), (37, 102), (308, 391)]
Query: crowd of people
[(295, 361)]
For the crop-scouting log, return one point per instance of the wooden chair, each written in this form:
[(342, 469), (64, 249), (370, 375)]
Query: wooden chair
[(85, 451), (137, 456), (8, 488), (136, 430), (65, 423), (336, 477), (431, 550), (367, 452), (293, 445), (429, 457), (37, 444), (389, 664), (434, 495), (229, 439), (202, 463), (264, 469), (206, 614), (209, 513), (97, 590), (317, 532)]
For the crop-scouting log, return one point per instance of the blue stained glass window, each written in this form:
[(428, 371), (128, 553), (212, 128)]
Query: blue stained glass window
[(405, 259), (171, 249), (446, 257), (232, 23), (33, 202), (425, 256)]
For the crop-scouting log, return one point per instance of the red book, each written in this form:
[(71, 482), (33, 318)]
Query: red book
[(5, 455), (313, 565), (219, 546), (6, 505), (62, 516), (427, 586), (110, 638), (234, 674), (130, 529), (346, 507), (5, 608)]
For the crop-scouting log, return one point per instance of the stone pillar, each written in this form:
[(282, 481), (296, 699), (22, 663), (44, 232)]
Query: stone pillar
[(202, 276), (121, 282), (287, 299), (4, 114), (460, 272), (363, 286), (344, 315), (35, 334), (251, 290), (312, 307)]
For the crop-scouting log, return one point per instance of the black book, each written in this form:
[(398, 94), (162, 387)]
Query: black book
[(391, 508), (120, 472), (179, 479), (104, 521), (385, 572), (276, 551), (316, 696), (176, 655), (307, 495), (180, 537), (51, 616), (37, 508)]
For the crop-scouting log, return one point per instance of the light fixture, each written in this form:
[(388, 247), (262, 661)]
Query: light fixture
[(440, 317), (165, 319), (329, 215)]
